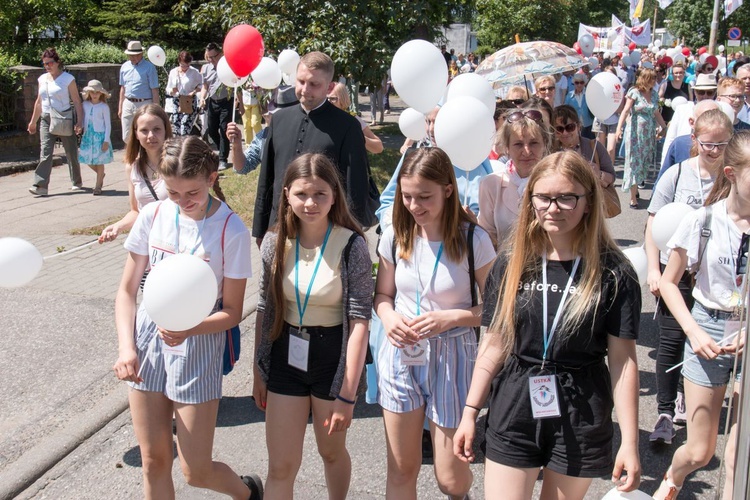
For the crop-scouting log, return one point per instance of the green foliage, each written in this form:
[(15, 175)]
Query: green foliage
[(10, 83), (691, 20), (361, 37), (21, 20)]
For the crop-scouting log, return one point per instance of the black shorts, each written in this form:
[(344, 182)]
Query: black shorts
[(577, 444), (323, 362)]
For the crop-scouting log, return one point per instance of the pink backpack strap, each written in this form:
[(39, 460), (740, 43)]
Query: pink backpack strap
[(156, 212), (223, 233)]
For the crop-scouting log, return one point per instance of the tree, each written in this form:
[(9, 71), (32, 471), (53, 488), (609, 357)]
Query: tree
[(361, 37), (690, 20), (22, 20)]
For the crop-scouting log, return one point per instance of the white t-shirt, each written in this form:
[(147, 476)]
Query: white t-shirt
[(55, 91), (449, 289), (691, 189), (715, 280), (184, 82), (158, 238), (142, 193)]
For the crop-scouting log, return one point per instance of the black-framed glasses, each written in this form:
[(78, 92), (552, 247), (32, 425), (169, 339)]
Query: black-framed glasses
[(546, 89), (570, 127), (741, 266), (578, 82), (563, 202), (710, 146), (703, 92), (733, 97), (517, 102), (531, 114)]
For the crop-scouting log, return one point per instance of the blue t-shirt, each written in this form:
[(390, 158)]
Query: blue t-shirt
[(139, 79)]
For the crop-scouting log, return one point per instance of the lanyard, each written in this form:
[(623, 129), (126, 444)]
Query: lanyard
[(200, 230), (548, 336), (432, 276), (300, 307)]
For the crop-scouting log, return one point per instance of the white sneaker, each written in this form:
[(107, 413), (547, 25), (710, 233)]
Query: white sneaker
[(663, 430), (680, 416), (38, 191), (75, 188)]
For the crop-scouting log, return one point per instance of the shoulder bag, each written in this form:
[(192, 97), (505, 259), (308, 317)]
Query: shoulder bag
[(609, 194), (60, 122)]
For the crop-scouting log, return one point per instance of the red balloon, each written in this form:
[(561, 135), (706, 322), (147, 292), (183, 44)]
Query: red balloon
[(632, 45), (243, 49), (577, 47), (619, 54), (686, 51), (702, 51), (712, 61)]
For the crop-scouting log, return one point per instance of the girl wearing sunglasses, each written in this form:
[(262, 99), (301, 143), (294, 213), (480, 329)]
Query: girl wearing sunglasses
[(541, 366), (708, 324), (525, 139)]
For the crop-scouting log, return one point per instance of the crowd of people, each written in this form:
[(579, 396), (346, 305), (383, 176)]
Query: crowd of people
[(519, 246)]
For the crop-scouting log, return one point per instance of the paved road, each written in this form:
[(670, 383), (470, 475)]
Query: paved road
[(65, 428)]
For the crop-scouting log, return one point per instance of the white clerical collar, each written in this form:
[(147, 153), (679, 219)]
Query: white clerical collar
[(316, 107)]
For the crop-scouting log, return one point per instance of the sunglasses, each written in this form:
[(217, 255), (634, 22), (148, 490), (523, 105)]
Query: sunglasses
[(704, 92), (570, 127), (48, 63), (709, 69), (741, 266), (517, 102), (546, 89), (578, 82), (531, 114)]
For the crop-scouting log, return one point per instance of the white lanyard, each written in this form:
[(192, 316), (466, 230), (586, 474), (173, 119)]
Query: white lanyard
[(548, 336), (200, 229)]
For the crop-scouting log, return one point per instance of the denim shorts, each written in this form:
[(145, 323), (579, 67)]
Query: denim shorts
[(709, 372)]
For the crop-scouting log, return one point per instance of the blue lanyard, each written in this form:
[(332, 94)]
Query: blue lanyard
[(200, 230), (300, 307), (548, 336), (432, 276)]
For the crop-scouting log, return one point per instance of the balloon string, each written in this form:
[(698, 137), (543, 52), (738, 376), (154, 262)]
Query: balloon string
[(75, 249), (234, 102)]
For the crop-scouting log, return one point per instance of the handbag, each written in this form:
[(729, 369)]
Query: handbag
[(60, 122), (186, 104), (609, 194)]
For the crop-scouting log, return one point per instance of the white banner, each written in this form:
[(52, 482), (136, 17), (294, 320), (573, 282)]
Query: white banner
[(730, 6), (602, 40)]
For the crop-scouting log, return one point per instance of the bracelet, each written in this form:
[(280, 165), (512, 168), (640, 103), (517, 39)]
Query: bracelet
[(347, 401), (472, 407)]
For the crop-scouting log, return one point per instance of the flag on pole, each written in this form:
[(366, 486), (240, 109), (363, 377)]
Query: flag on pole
[(636, 8), (730, 6), (665, 3)]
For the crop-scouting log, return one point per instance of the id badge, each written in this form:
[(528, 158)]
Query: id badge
[(415, 355), (177, 350), (543, 394), (299, 348), (732, 328)]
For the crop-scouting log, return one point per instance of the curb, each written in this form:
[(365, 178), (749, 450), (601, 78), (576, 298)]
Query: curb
[(14, 167)]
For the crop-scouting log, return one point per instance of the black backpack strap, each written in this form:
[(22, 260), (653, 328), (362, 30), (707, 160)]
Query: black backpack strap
[(472, 278), (676, 180), (705, 235)]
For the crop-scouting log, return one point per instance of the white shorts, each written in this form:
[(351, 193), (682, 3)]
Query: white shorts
[(441, 386), (191, 379)]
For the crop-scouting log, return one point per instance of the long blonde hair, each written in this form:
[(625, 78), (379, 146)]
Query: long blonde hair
[(529, 241)]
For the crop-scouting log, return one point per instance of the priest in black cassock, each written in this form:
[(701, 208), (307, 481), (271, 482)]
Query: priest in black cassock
[(313, 126)]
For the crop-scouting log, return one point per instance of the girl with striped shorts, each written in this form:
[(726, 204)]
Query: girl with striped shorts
[(423, 297), (186, 384)]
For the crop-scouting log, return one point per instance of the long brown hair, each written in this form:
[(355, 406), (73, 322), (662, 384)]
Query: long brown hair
[(306, 166), (134, 152), (431, 164), (189, 157), (529, 241)]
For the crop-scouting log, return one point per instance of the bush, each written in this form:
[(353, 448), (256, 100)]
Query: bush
[(10, 84)]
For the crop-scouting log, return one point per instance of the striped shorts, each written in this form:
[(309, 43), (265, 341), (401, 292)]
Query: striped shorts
[(441, 386), (191, 379)]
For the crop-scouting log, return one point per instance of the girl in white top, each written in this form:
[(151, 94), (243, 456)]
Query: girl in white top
[(526, 139), (149, 129), (423, 298), (96, 146), (189, 384), (717, 293)]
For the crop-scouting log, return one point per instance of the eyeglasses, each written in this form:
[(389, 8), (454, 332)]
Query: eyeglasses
[(563, 202), (578, 82), (570, 127), (531, 114), (704, 92), (741, 266), (708, 69), (517, 102), (733, 97), (710, 146), (545, 89), (333, 98), (48, 63)]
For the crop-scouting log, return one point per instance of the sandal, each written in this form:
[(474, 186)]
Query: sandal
[(634, 205), (672, 490), (97, 191), (255, 484)]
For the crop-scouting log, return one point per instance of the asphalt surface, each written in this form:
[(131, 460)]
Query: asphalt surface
[(65, 431)]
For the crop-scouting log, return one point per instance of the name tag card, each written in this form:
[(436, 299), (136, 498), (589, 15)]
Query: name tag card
[(299, 348), (415, 355), (543, 394)]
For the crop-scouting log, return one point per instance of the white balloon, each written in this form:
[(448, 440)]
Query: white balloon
[(593, 62), (464, 128), (650, 46), (637, 257), (626, 60), (604, 94), (613, 494), (288, 61), (586, 42), (722, 63), (661, 53), (727, 109), (635, 56), (611, 34), (679, 57), (180, 291), (419, 75), (666, 221), (227, 76), (412, 124), (721, 48), (671, 52), (20, 262), (625, 50), (156, 55), (657, 43), (678, 101), (267, 74), (472, 85), (703, 57), (288, 79)]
